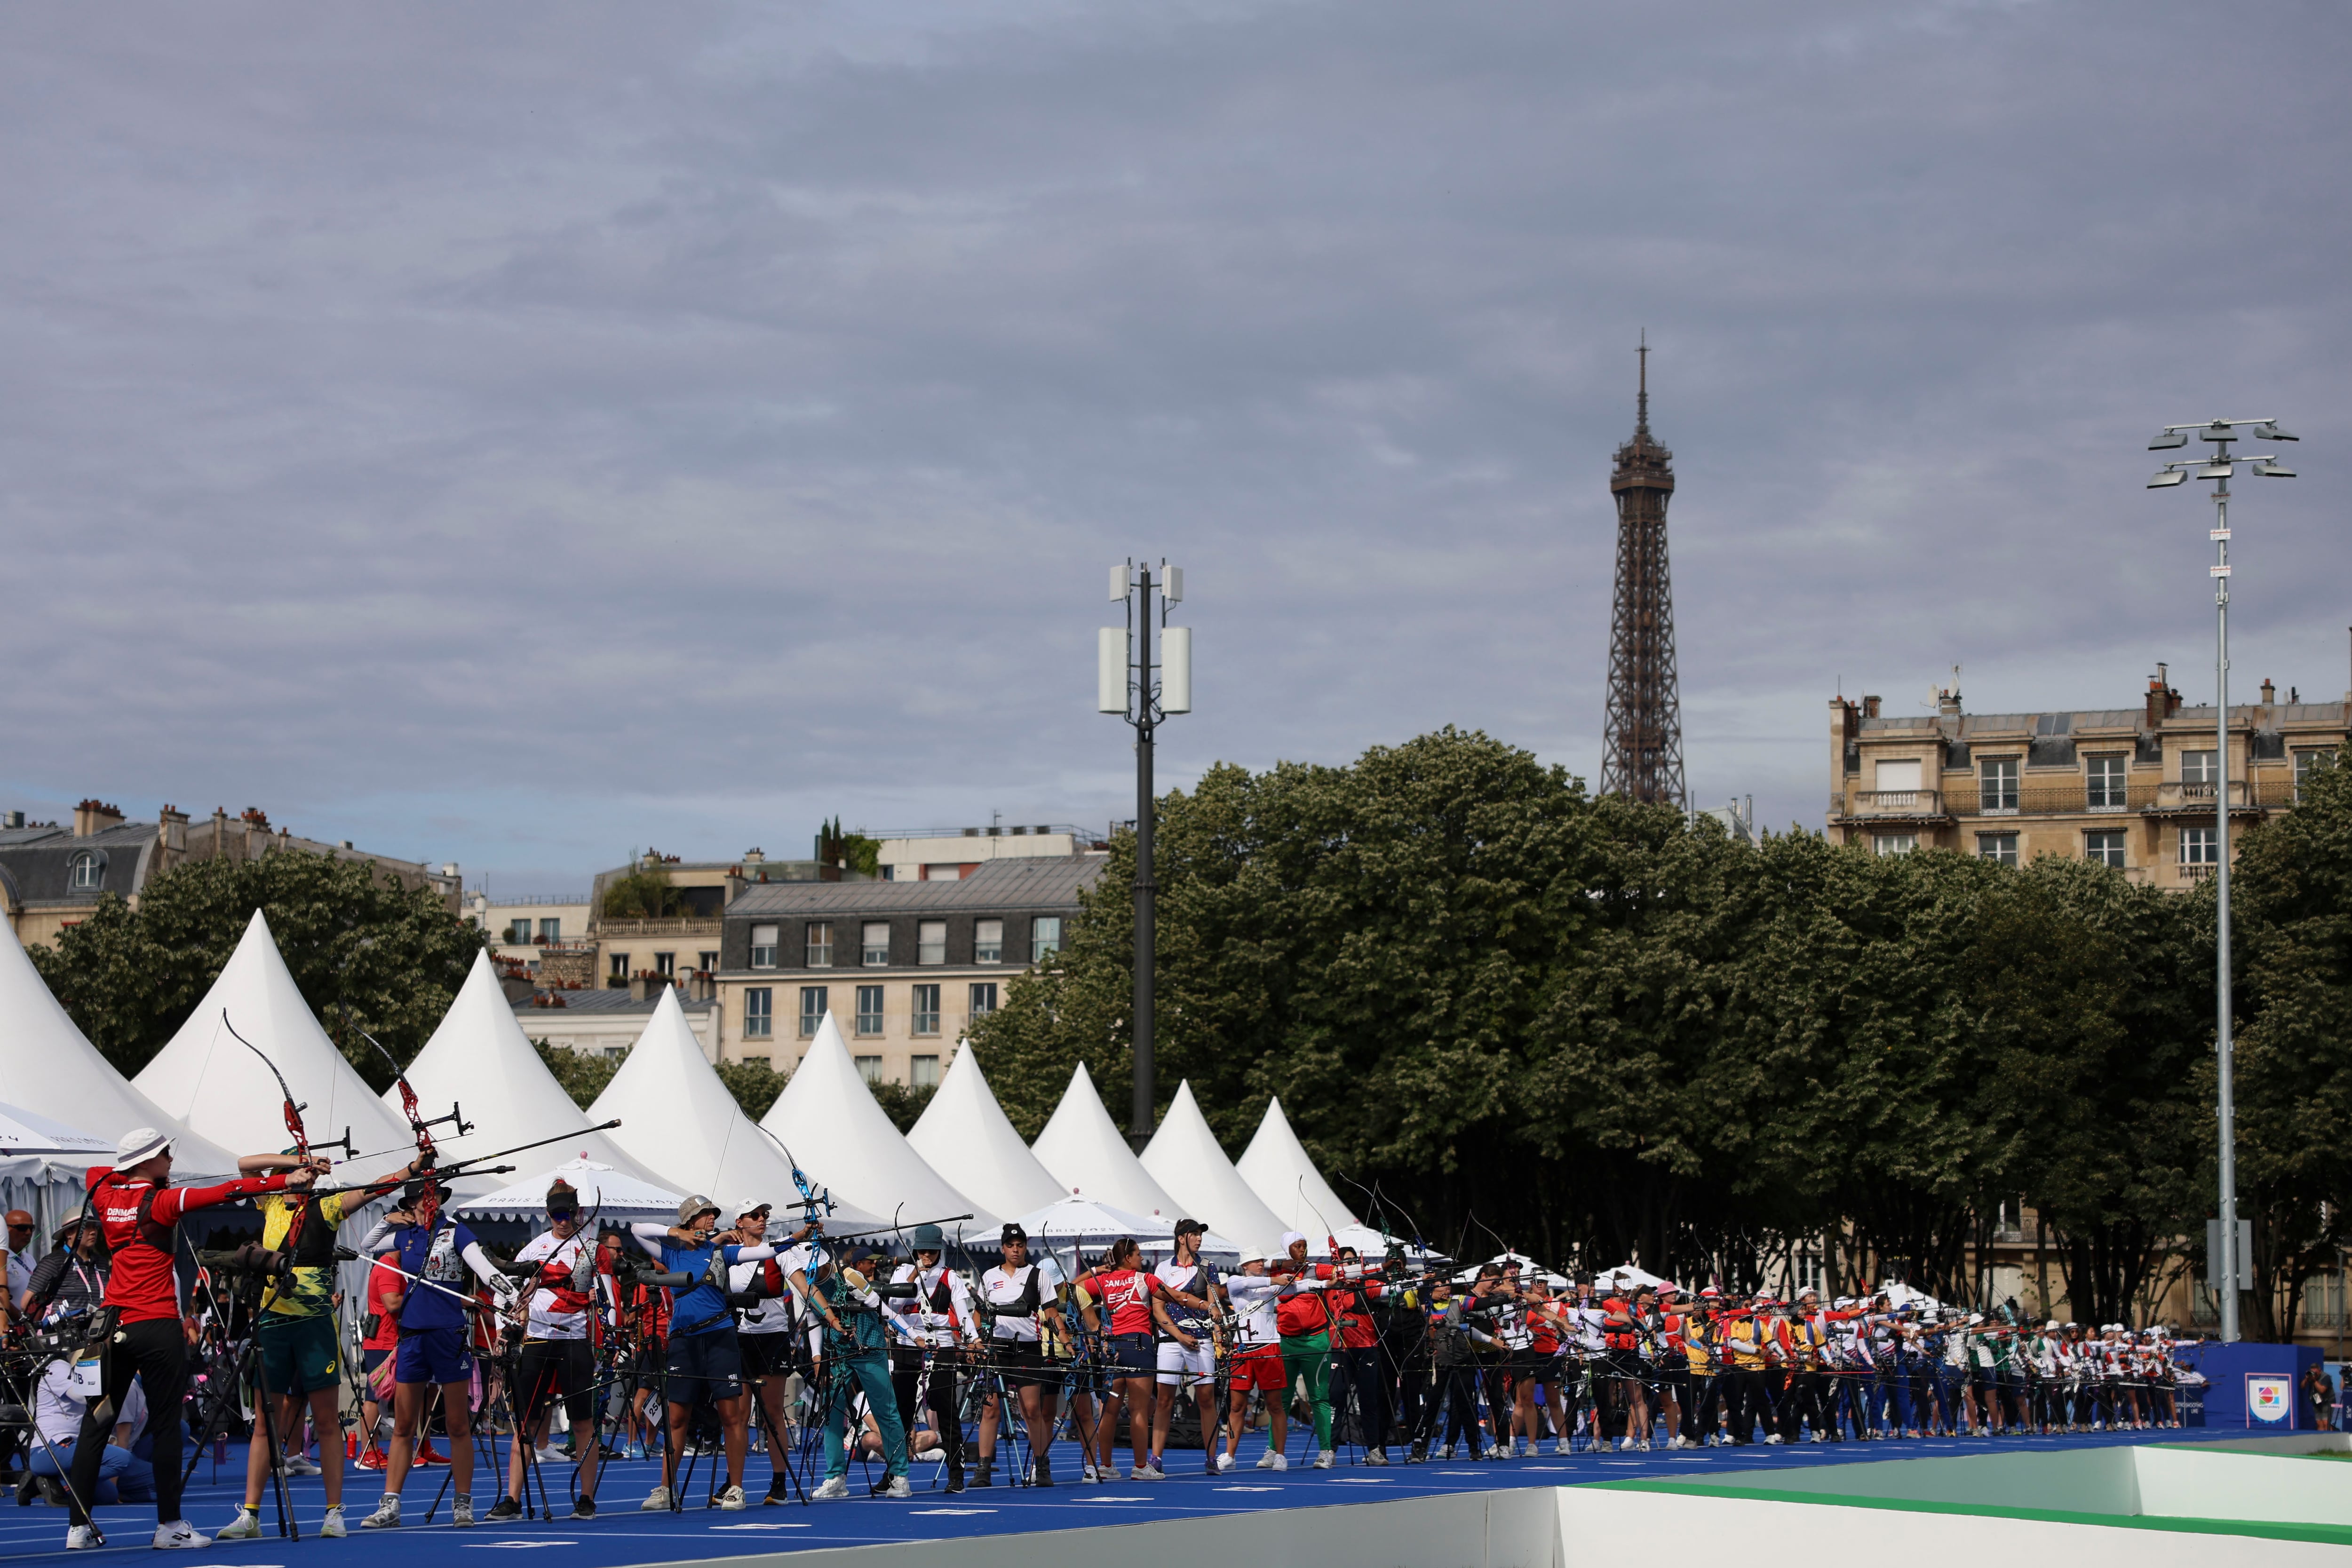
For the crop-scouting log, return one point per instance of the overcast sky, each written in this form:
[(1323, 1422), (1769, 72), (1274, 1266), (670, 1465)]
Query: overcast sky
[(518, 435)]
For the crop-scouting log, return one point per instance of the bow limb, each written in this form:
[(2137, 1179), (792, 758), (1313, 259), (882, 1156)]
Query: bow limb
[(293, 1112)]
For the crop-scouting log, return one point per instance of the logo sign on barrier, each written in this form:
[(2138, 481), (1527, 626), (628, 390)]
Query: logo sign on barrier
[(2270, 1400)]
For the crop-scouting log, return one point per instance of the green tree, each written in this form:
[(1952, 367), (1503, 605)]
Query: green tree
[(645, 894), (367, 954), (584, 1077), (754, 1084), (2294, 1058)]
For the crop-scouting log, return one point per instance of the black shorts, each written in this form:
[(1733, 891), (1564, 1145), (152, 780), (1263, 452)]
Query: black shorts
[(765, 1354), (548, 1367), (1131, 1355), (1022, 1364), (705, 1366), (1526, 1364)]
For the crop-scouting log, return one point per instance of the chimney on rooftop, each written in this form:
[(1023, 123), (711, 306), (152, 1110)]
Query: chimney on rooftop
[(95, 816), (1869, 707), (2270, 692), (1947, 701)]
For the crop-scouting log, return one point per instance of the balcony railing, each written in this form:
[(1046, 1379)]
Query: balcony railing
[(1899, 803), (670, 925), (2196, 870), (2173, 795)]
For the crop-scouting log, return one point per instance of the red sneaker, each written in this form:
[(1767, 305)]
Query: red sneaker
[(373, 1460), (427, 1455)]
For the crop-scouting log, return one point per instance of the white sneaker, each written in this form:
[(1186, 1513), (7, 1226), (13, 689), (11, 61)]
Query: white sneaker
[(731, 1498), (898, 1488), (1502, 1451), (1326, 1459), (1446, 1452), (1147, 1471), (180, 1536), (83, 1537), (835, 1489), (1624, 1445), (1643, 1446), (301, 1465), (245, 1526), (461, 1513), (1561, 1449), (386, 1515), (331, 1527), (1772, 1437), (1091, 1475), (1272, 1459), (547, 1455), (1225, 1463), (657, 1500)]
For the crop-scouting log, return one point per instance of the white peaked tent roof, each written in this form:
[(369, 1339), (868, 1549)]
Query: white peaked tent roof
[(614, 1196), (52, 1070), (1086, 1154), (841, 1134), (30, 1133), (679, 1122), (480, 1060), (1185, 1157), (1082, 1222), (964, 1132), (227, 1093), (1276, 1167)]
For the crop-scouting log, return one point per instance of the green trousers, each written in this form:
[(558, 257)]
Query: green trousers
[(1308, 1355)]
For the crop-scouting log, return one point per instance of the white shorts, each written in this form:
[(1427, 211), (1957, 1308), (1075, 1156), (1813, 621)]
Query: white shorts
[(1180, 1366)]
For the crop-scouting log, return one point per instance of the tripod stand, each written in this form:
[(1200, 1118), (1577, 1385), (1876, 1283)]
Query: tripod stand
[(251, 1370)]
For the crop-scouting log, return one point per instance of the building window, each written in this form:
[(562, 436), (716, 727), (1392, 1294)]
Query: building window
[(2199, 846), (923, 1072), (819, 946), (85, 871), (983, 997), (665, 966), (518, 931), (926, 1009), (811, 1010), (618, 968), (763, 946), (2305, 761), (1044, 937), (1894, 843), (870, 1010), (931, 942), (2104, 785), (869, 1067), (2104, 849), (759, 1012), (2200, 768), (1997, 784), (987, 941), (2000, 847), (873, 951), (706, 961), (616, 1053)]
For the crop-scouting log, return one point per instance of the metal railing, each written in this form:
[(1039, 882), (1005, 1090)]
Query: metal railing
[(667, 926), (1898, 803)]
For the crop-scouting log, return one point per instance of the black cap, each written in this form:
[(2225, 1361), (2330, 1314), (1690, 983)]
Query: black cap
[(1192, 1226), (1013, 1232)]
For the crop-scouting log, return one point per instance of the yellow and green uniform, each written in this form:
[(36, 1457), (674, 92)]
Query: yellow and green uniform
[(300, 1349)]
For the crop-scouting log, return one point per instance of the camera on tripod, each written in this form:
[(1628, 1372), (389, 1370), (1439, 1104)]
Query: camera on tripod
[(250, 1261)]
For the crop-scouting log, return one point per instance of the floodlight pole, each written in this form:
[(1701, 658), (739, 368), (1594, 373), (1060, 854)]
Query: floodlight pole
[(1134, 693), (2224, 1266)]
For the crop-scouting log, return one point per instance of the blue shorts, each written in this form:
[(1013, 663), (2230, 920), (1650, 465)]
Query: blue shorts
[(705, 1367), (1133, 1356), (433, 1355)]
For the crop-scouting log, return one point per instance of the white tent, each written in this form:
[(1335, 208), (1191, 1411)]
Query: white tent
[(963, 1132), (1626, 1277), (480, 1060), (1074, 1222), (832, 1122), (1087, 1156), (1185, 1158), (30, 1133), (1528, 1268), (614, 1196), (679, 1122), (42, 1168), (1276, 1167), (225, 1092), (52, 1070)]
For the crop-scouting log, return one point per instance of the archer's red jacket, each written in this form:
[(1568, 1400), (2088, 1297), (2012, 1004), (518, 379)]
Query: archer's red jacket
[(137, 1218)]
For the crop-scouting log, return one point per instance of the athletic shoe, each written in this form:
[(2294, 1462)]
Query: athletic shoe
[(1042, 1475), (548, 1454), (426, 1454), (1502, 1451), (1272, 1459), (984, 1472), (731, 1500), (83, 1537), (1147, 1471), (1624, 1445), (1561, 1450), (1768, 1437), (386, 1515), (1418, 1453), (331, 1527), (584, 1508), (1446, 1452), (461, 1513), (657, 1500), (1326, 1459), (180, 1536), (636, 1450), (898, 1488), (1643, 1446), (373, 1460), (1091, 1477), (778, 1490), (245, 1526), (302, 1466), (1376, 1457), (1225, 1463), (505, 1508), (834, 1486)]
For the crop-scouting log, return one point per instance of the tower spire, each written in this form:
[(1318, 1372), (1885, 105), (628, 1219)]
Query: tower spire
[(1641, 745)]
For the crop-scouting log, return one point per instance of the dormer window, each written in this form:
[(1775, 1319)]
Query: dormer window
[(84, 871)]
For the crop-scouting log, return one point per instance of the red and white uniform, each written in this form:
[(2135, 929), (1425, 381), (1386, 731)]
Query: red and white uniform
[(138, 1218)]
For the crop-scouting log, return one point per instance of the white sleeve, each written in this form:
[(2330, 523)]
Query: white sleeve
[(486, 1270), (652, 1235), (760, 1252), (379, 1237)]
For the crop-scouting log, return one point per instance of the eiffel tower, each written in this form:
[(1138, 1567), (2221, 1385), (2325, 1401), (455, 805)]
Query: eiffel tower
[(1641, 741)]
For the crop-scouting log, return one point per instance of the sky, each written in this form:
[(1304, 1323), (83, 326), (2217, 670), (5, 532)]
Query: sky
[(524, 435)]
